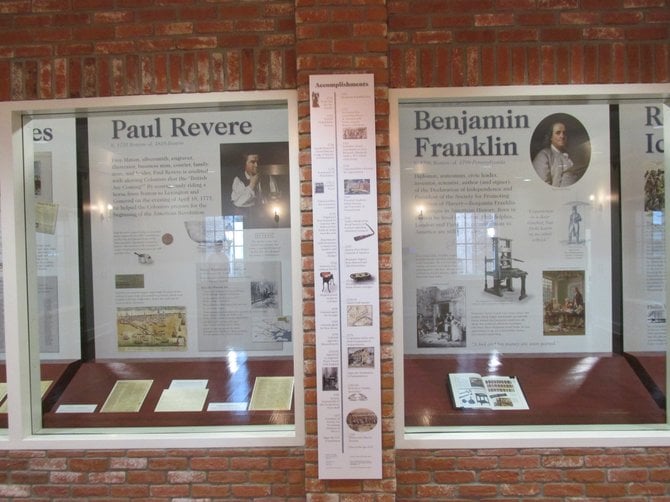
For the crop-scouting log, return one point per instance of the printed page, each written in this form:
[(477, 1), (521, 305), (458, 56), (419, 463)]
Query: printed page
[(468, 390), (272, 393), (126, 396), (505, 393)]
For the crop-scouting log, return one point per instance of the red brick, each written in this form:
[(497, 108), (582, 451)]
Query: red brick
[(129, 491), (581, 17), (155, 15), (603, 33), (4, 82), (249, 491), (415, 477), (647, 460), (562, 70), (560, 34), (133, 31), (116, 16), (646, 488), (93, 33), (213, 491), (503, 66), (494, 19), (621, 17), (196, 12), (563, 490), (171, 29), (14, 6), (169, 491), (605, 490), (93, 4), (646, 63), (474, 36), (477, 491), (590, 69), (662, 63), (477, 463), (90, 491), (146, 477), (585, 475), (648, 32), (46, 5), (454, 477), (88, 464), (70, 18), (499, 476), (534, 18), (636, 4), (521, 490), (51, 491)]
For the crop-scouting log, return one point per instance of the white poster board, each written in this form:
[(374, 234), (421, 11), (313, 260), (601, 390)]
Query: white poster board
[(181, 268), (344, 192), (643, 227), (51, 160), (506, 244)]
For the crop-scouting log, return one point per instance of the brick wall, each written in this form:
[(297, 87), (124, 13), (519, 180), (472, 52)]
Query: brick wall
[(508, 42), (276, 474), (80, 48), (541, 474)]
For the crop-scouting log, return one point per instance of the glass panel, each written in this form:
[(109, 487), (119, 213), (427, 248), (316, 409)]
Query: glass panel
[(162, 252), (643, 243), (52, 200), (518, 309)]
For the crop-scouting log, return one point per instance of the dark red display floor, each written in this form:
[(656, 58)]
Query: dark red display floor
[(560, 389), (91, 382)]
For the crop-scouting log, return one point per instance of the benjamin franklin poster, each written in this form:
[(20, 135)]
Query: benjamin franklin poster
[(505, 217)]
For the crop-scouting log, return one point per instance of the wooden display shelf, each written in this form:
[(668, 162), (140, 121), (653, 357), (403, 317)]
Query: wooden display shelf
[(560, 390), (91, 383)]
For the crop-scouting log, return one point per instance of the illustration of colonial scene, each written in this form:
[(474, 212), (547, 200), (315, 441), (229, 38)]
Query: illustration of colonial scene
[(361, 357), (563, 297), (441, 319), (654, 190), (150, 328)]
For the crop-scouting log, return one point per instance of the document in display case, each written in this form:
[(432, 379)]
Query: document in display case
[(492, 392)]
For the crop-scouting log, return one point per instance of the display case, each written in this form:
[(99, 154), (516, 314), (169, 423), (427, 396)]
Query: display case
[(553, 197), (160, 246)]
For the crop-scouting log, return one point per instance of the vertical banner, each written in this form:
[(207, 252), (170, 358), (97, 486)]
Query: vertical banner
[(346, 259)]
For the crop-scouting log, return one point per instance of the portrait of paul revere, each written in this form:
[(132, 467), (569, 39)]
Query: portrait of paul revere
[(255, 183)]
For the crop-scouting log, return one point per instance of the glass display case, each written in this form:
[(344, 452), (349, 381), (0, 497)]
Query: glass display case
[(162, 266), (529, 261)]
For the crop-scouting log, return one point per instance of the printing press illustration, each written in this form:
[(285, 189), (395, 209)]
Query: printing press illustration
[(501, 269)]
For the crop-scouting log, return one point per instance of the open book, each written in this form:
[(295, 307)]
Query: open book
[(494, 392)]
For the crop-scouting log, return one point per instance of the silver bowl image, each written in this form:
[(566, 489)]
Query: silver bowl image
[(208, 232)]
